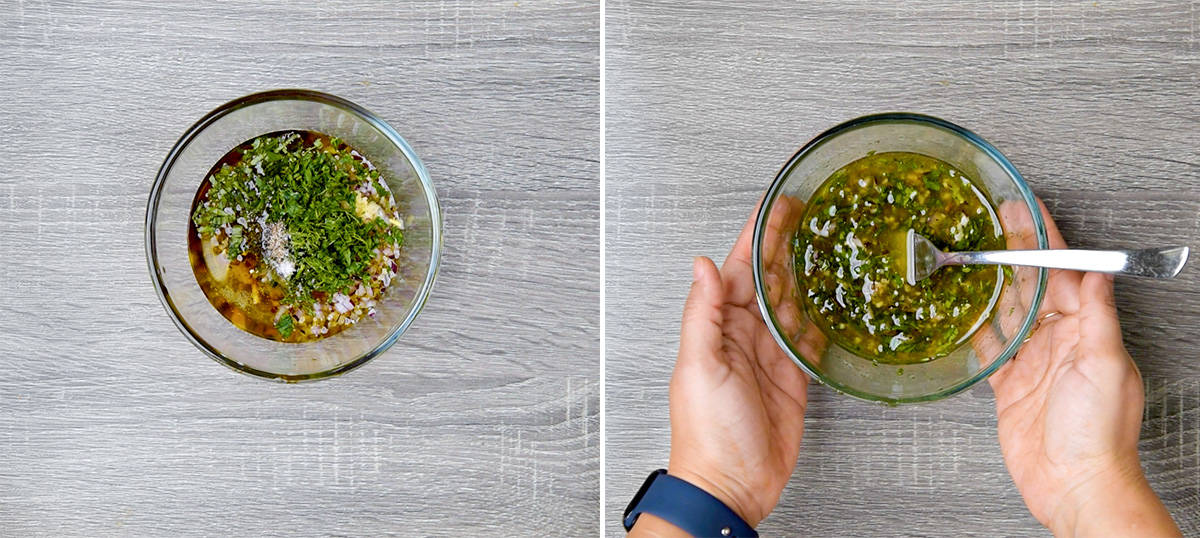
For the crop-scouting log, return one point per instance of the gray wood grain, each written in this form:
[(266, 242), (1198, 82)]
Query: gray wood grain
[(483, 420), (1095, 102)]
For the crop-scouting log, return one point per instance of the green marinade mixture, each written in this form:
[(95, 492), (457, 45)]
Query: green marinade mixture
[(849, 257)]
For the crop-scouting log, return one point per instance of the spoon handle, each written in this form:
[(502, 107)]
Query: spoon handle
[(1149, 262)]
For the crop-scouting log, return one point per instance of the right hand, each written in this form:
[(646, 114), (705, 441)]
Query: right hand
[(1069, 409)]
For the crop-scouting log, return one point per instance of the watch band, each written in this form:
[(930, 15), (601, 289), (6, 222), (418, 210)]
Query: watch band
[(686, 506)]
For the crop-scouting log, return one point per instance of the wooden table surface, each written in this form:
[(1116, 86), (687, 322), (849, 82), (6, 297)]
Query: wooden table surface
[(1097, 104), (483, 420)]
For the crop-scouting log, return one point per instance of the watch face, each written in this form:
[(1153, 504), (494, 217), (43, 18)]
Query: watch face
[(637, 498)]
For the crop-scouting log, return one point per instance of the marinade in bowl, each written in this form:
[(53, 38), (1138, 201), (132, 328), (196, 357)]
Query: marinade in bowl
[(927, 351), (849, 253), (335, 219), (294, 236)]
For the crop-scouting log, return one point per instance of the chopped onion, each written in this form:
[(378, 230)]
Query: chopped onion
[(342, 303)]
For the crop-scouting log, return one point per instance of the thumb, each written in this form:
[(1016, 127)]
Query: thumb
[(701, 334), (1099, 328)]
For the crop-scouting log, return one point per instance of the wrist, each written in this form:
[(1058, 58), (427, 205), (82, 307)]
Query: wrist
[(680, 506), (724, 490), (652, 526), (1114, 502)]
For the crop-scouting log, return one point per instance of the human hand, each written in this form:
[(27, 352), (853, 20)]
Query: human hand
[(737, 401), (1069, 409)]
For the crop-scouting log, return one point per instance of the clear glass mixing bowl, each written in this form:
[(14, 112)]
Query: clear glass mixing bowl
[(185, 168), (775, 277)]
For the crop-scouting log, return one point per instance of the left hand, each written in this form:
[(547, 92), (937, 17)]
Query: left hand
[(737, 400)]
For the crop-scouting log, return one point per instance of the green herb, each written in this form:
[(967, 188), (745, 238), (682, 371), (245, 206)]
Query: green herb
[(236, 241), (285, 325), (933, 180)]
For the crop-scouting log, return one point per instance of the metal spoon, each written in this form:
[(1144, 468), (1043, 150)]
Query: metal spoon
[(922, 259)]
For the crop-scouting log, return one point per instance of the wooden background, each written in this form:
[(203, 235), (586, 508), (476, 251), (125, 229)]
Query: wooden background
[(1098, 105), (483, 420)]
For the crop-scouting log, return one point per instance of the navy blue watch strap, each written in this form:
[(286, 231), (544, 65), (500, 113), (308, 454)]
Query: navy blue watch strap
[(686, 506)]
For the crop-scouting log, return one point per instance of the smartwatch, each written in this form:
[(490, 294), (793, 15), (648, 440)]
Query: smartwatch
[(686, 506)]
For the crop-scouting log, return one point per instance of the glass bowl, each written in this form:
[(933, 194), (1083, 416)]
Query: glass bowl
[(187, 166), (775, 278)]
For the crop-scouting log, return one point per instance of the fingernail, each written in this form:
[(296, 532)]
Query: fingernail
[(695, 269)]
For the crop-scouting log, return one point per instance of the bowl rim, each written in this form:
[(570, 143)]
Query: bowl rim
[(435, 213), (897, 117)]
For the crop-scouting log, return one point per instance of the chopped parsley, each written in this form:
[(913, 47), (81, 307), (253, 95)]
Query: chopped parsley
[(312, 190)]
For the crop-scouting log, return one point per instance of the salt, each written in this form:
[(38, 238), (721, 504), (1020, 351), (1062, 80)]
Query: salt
[(275, 241)]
